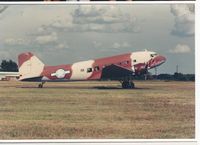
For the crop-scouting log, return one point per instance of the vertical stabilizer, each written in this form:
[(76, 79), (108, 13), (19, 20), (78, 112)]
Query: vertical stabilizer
[(29, 66)]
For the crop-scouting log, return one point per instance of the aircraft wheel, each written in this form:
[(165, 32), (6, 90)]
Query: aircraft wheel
[(128, 85), (40, 86), (124, 85), (132, 85)]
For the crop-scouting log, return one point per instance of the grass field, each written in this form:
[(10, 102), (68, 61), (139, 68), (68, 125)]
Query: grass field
[(77, 110)]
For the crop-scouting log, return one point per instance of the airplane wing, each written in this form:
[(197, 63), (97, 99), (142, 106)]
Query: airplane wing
[(115, 72)]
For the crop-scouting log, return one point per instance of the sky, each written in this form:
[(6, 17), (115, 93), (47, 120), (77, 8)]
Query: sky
[(63, 34)]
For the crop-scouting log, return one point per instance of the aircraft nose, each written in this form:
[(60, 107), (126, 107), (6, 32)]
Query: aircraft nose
[(158, 60), (161, 59)]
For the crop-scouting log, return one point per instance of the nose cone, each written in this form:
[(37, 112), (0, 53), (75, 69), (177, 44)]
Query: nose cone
[(158, 60)]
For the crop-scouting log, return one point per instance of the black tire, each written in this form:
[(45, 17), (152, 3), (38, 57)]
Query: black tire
[(40, 86), (128, 85), (124, 85), (132, 85)]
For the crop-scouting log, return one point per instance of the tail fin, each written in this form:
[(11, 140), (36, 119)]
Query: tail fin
[(29, 66)]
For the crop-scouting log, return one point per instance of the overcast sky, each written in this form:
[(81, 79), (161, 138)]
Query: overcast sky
[(63, 34)]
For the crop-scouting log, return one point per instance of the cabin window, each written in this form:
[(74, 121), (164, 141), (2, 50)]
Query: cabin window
[(89, 70), (152, 55), (96, 68), (82, 70)]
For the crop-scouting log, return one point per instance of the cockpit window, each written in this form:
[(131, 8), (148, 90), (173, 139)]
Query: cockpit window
[(153, 55)]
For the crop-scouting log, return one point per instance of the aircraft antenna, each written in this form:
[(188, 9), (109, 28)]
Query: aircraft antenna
[(176, 68)]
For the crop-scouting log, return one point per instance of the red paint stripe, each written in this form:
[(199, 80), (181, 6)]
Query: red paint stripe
[(23, 58)]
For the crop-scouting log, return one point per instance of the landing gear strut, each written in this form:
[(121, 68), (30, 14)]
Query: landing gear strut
[(128, 84), (41, 85)]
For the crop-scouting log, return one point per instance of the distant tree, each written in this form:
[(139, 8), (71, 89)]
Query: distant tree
[(165, 77), (180, 77), (177, 77), (190, 77), (9, 66)]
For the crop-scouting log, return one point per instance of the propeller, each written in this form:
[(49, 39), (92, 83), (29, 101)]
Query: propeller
[(141, 68)]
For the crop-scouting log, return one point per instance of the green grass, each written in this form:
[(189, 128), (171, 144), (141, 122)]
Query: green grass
[(88, 110)]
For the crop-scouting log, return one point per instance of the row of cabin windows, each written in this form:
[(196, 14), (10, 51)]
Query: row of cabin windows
[(96, 68), (126, 62)]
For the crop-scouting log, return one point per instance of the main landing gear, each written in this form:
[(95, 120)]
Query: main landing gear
[(128, 84), (41, 85)]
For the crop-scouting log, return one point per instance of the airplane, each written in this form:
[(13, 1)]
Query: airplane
[(122, 67)]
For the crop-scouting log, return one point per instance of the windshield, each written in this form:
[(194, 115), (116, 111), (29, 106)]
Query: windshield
[(153, 55)]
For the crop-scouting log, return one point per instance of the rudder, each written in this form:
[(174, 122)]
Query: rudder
[(29, 66)]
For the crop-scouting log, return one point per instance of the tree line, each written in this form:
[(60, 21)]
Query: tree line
[(177, 77), (8, 66), (167, 77)]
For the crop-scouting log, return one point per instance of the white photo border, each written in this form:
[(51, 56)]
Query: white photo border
[(195, 141)]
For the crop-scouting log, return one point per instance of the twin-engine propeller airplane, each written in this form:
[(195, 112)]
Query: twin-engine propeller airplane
[(120, 67)]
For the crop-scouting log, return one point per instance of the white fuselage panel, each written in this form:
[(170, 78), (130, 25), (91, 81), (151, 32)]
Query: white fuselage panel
[(80, 70)]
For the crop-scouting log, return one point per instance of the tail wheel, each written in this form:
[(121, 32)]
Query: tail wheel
[(41, 85)]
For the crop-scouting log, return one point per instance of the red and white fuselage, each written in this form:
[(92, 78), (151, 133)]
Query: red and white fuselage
[(32, 69)]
